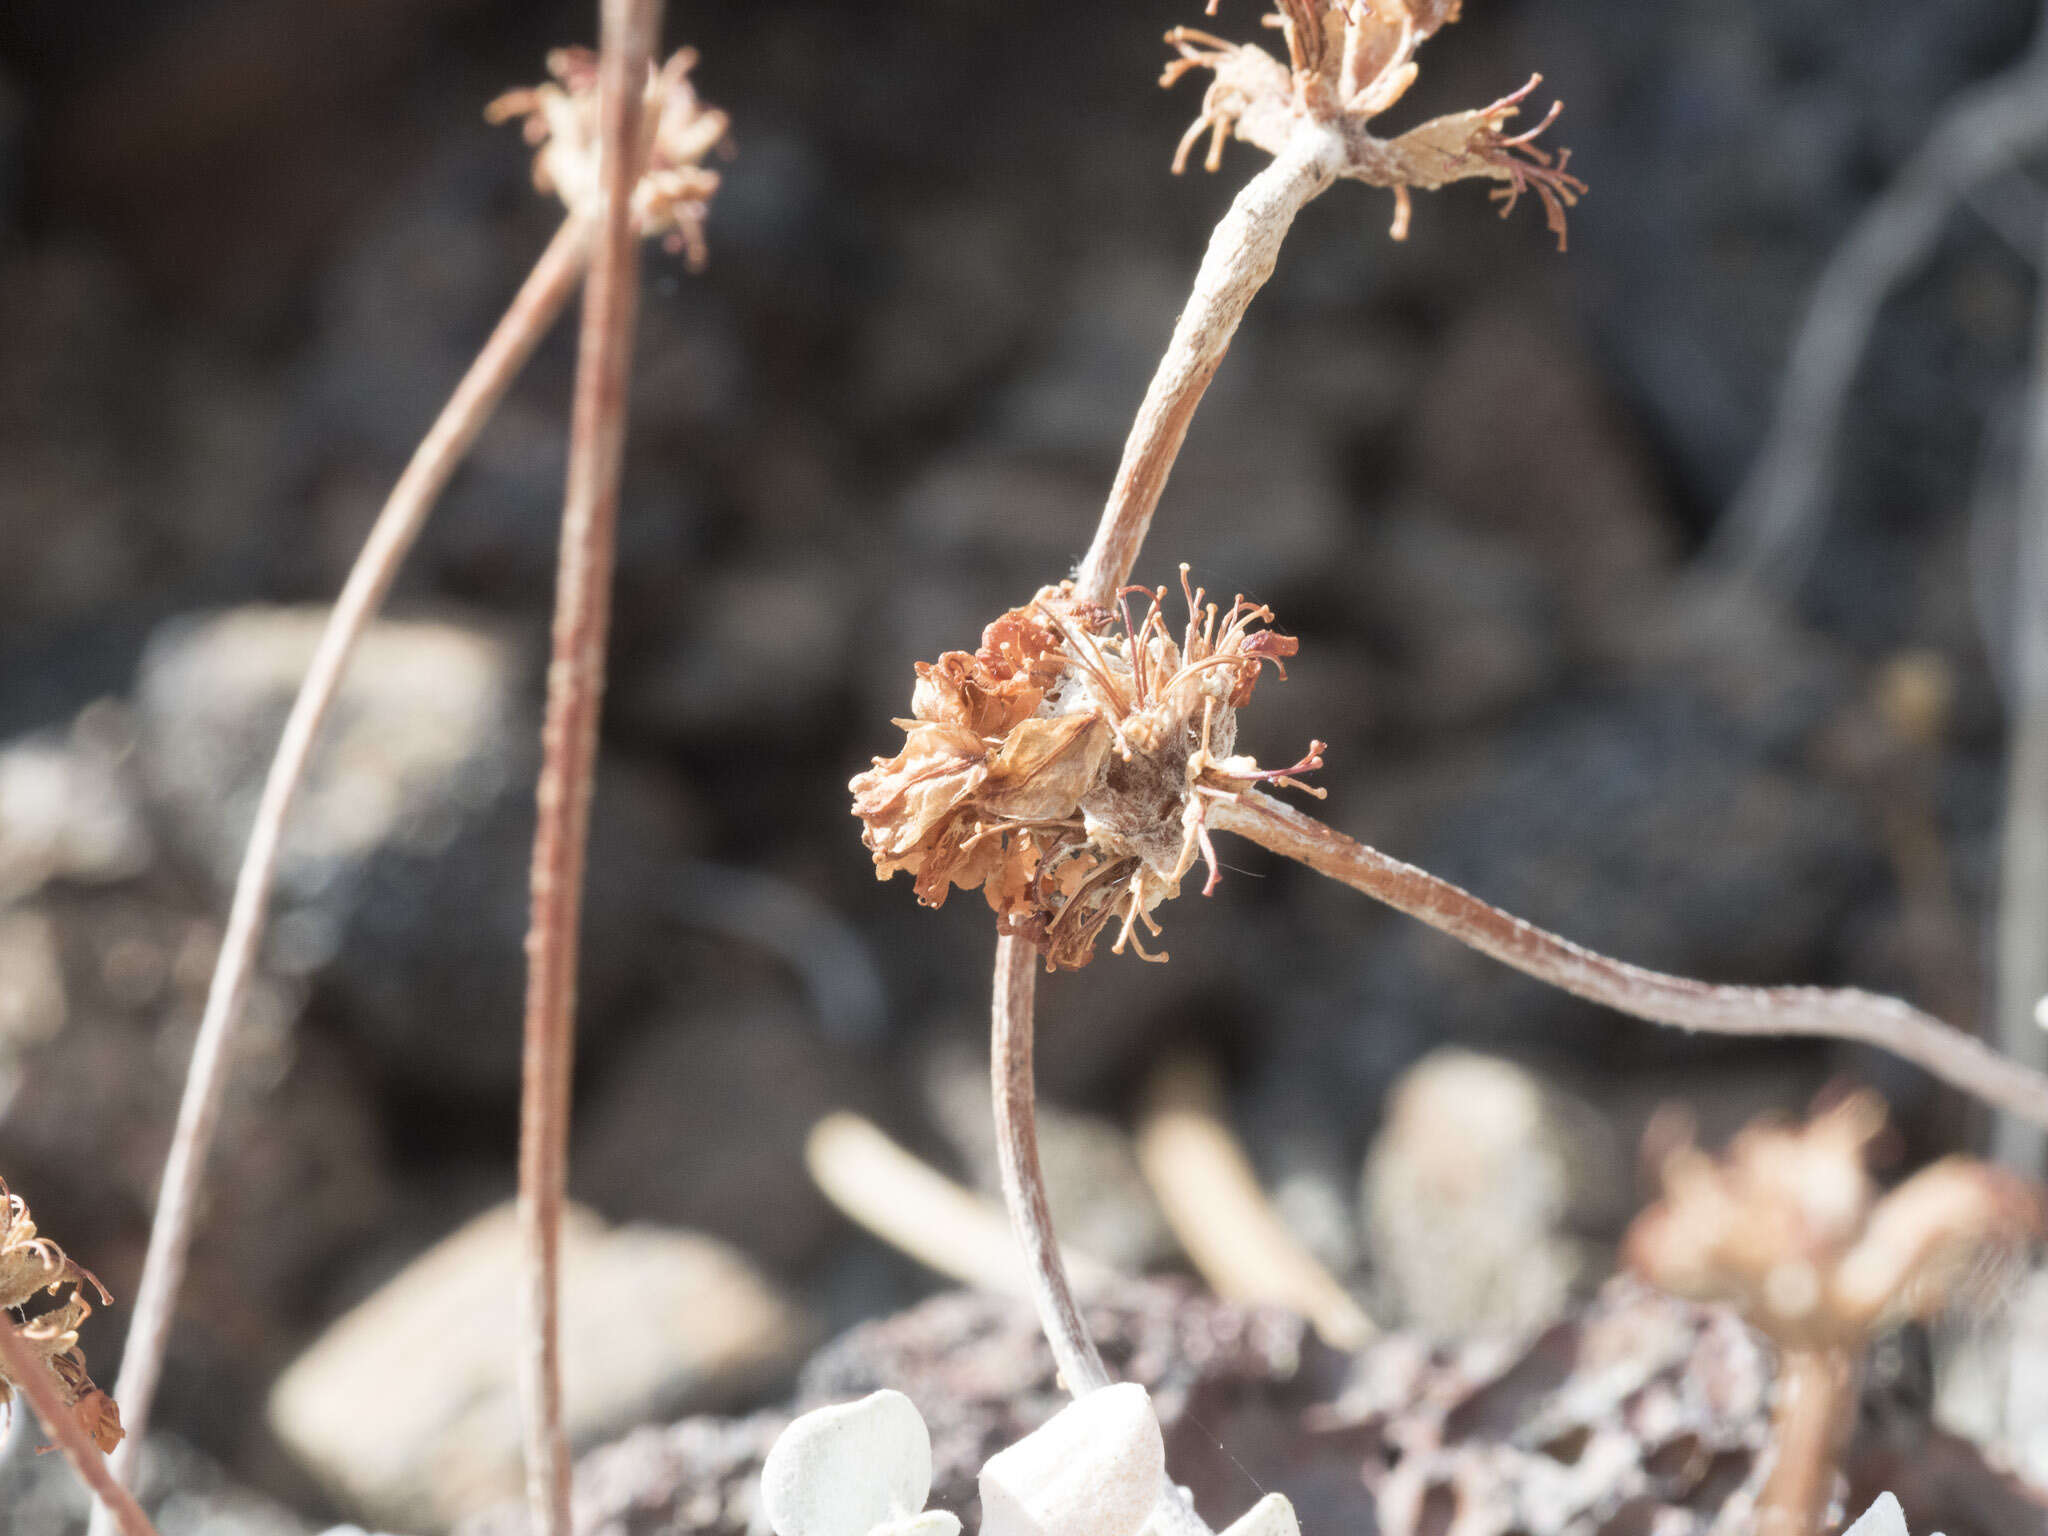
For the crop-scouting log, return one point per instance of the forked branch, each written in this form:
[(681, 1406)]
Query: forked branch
[(1840, 1014)]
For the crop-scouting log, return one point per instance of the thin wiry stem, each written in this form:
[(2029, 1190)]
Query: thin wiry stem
[(1815, 1393), (533, 310), (1010, 1081), (2023, 868), (1016, 1105), (1240, 258), (597, 440), (1774, 524), (25, 1368), (1845, 1014)]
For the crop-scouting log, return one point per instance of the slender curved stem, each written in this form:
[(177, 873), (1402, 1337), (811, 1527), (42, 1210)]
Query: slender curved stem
[(1774, 523), (533, 310), (597, 441), (1016, 1105), (2022, 969), (1010, 1082), (1815, 1394), (1845, 1014), (1239, 260), (27, 1371)]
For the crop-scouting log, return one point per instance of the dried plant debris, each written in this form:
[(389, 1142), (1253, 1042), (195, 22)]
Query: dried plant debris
[(1641, 1413), (1066, 767), (32, 1265), (1347, 62), (673, 194), (1789, 1227)]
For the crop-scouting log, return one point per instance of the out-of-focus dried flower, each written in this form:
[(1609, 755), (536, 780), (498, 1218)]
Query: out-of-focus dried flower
[(1788, 1226), (674, 189), (1067, 766), (1349, 61), (29, 1264)]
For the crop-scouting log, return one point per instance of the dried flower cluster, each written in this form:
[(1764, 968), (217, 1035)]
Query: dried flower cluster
[(1067, 766), (673, 193), (1789, 1227), (1349, 61), (30, 1264)]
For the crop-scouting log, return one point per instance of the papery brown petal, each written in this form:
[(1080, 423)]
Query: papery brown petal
[(905, 798), (1380, 43), (1268, 643), (96, 1412), (965, 690), (1044, 767), (1022, 643), (1261, 645), (1927, 1234), (1011, 886)]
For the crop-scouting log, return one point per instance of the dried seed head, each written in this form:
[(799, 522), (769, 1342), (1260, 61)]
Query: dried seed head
[(674, 190), (1788, 1226), (1349, 61), (30, 1264), (1067, 765)]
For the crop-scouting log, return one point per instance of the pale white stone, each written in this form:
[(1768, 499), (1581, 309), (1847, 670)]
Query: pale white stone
[(1094, 1469), (1271, 1516), (1883, 1518), (844, 1470), (933, 1522)]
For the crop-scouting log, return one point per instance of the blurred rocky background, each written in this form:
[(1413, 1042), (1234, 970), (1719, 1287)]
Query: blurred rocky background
[(247, 246)]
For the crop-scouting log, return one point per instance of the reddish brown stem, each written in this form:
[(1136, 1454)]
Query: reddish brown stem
[(448, 441), (1011, 1069), (1240, 258), (25, 1368), (1809, 1416), (1950, 1055), (569, 748), (1016, 1106)]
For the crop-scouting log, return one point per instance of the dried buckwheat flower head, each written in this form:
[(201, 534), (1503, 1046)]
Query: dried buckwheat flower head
[(1349, 61), (1788, 1225), (30, 1264), (1067, 766), (674, 190)]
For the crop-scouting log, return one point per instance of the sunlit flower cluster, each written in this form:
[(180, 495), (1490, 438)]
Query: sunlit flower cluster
[(673, 193), (1349, 61), (1066, 766), (1789, 1226)]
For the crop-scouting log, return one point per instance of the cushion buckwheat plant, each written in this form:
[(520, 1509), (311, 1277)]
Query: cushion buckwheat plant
[(30, 1263), (1067, 766)]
